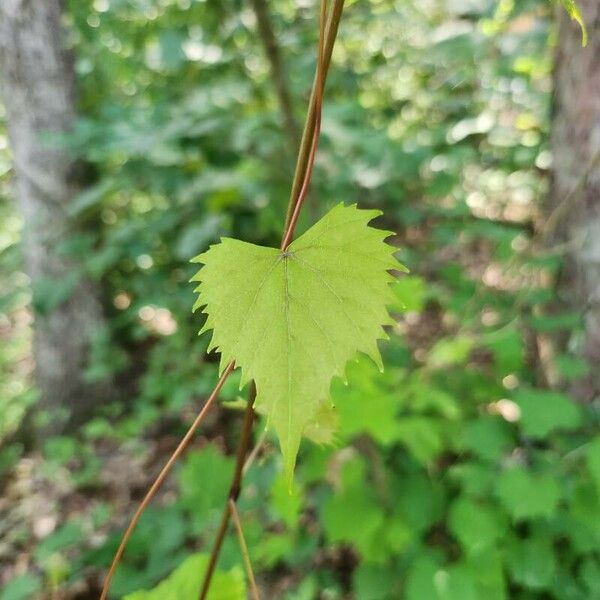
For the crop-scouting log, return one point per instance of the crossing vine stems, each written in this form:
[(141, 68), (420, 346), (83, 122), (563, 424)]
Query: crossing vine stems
[(162, 476), (328, 27)]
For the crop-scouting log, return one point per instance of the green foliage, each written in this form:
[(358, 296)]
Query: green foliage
[(543, 412), (291, 320), (184, 582), (455, 473), (22, 587), (204, 502)]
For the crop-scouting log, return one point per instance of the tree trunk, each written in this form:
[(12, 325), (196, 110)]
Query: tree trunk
[(38, 88), (575, 215)]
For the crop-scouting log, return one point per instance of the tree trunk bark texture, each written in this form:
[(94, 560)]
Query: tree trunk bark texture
[(576, 184), (38, 91)]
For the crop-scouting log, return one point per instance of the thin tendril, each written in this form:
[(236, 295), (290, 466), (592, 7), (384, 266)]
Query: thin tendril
[(161, 477), (244, 548)]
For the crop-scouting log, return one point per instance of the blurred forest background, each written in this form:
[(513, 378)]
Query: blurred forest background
[(469, 469)]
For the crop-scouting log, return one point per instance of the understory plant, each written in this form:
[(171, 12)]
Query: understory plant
[(291, 318)]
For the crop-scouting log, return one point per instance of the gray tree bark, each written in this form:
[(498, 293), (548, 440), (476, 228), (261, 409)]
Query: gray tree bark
[(575, 211), (38, 89)]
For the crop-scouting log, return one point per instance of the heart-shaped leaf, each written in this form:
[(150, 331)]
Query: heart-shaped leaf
[(291, 320)]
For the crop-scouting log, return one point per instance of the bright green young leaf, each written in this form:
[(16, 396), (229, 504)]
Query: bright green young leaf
[(184, 583), (292, 320), (575, 13)]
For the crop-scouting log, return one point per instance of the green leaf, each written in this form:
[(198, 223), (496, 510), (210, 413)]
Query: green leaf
[(572, 367), (573, 11), (543, 412), (50, 292), (487, 437), (532, 562), (184, 583), (420, 581), (292, 320), (429, 580), (527, 496), (66, 537), (288, 506), (476, 526), (22, 587), (91, 197), (204, 480), (411, 293), (339, 513), (369, 404), (450, 351), (375, 582)]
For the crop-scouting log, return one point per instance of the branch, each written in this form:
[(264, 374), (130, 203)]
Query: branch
[(263, 20), (161, 477)]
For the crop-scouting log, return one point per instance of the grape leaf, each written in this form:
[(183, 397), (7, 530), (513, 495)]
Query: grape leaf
[(292, 320)]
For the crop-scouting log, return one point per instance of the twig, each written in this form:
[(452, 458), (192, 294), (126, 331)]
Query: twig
[(254, 452), (161, 477), (244, 548), (234, 490)]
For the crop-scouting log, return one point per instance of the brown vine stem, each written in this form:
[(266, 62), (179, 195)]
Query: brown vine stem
[(161, 477), (331, 29), (291, 226), (302, 176), (244, 548), (304, 166), (234, 491)]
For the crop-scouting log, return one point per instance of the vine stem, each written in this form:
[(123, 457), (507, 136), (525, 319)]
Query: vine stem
[(319, 85), (304, 167), (161, 477), (331, 29), (244, 548), (301, 182), (234, 490)]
